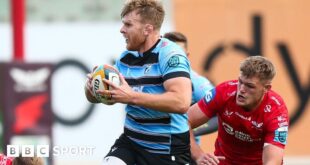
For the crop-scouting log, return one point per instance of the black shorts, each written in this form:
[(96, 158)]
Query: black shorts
[(133, 154)]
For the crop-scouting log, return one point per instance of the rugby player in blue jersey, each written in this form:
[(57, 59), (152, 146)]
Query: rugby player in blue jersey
[(200, 85), (156, 88)]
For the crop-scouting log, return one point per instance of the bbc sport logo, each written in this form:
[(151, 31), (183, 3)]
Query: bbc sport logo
[(44, 150)]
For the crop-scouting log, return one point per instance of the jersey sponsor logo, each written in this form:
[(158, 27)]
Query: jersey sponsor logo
[(209, 95), (229, 129), (147, 69), (138, 89), (238, 134), (243, 136), (280, 135), (174, 61)]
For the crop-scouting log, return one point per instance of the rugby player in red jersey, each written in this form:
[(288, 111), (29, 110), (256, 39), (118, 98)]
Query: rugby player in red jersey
[(252, 119)]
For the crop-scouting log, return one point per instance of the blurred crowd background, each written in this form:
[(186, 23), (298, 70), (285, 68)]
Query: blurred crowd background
[(42, 88)]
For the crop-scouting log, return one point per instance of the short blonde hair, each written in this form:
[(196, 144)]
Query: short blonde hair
[(258, 66), (151, 11)]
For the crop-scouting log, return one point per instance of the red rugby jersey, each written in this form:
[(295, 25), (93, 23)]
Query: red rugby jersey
[(242, 134)]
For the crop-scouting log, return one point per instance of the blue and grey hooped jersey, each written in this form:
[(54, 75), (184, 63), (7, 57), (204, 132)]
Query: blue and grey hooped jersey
[(200, 86), (157, 132)]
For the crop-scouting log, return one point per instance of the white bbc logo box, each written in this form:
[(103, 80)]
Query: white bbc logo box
[(27, 150)]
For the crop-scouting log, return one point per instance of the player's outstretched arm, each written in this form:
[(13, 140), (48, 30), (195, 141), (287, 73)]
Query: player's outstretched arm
[(199, 156), (196, 117), (272, 155), (196, 151)]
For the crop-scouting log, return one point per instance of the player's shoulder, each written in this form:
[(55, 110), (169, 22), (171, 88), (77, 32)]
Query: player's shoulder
[(165, 44), (228, 86), (275, 99), (200, 80), (196, 76), (274, 109), (226, 90), (168, 48), (274, 103)]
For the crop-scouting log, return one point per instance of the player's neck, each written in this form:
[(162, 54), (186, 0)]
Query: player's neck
[(150, 41), (255, 105)]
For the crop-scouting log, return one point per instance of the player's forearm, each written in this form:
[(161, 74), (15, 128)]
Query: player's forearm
[(196, 151), (271, 161), (170, 102), (272, 155)]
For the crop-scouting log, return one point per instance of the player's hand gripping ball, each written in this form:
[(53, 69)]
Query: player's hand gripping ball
[(108, 72)]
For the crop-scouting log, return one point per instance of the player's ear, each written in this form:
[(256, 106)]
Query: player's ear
[(148, 29), (267, 87)]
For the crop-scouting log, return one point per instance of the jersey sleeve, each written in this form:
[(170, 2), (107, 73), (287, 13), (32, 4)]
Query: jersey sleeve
[(277, 128), (209, 104), (200, 85), (173, 63)]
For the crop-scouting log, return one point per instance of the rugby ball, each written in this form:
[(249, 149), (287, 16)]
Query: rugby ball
[(104, 72)]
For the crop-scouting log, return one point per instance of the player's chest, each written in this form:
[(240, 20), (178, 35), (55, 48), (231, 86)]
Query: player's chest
[(141, 71), (243, 126)]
